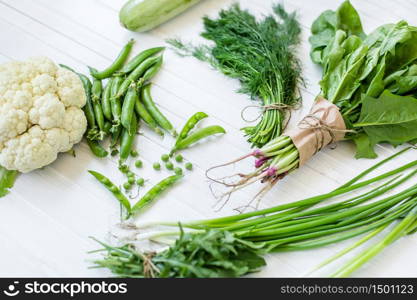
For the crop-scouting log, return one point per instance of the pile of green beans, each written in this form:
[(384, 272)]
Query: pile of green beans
[(115, 108)]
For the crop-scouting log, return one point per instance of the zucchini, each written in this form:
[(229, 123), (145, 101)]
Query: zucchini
[(144, 15)]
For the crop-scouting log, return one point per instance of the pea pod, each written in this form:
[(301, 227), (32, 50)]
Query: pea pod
[(146, 117), (138, 59), (154, 192), (105, 100), (190, 124), (113, 189), (116, 106), (126, 141), (96, 148), (136, 74), (107, 127), (162, 121), (196, 136), (128, 109), (96, 91), (151, 72), (117, 64)]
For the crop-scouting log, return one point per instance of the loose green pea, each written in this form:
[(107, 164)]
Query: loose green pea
[(179, 158), (134, 153), (138, 164), (127, 186), (178, 171), (189, 166), (131, 180), (157, 166), (165, 157), (169, 165), (140, 181), (124, 168), (130, 174)]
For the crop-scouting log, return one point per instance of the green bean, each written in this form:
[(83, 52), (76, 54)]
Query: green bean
[(138, 59), (151, 72), (128, 109), (198, 135), (154, 111), (96, 148), (127, 139), (105, 100), (136, 74), (190, 124), (117, 64), (145, 116), (113, 189), (154, 192)]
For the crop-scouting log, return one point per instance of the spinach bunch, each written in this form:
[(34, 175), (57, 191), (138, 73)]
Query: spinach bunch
[(371, 78), (212, 253)]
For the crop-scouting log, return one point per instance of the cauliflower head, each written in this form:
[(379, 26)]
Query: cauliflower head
[(40, 113)]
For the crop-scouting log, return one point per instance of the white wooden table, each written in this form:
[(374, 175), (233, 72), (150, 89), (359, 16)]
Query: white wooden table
[(46, 221)]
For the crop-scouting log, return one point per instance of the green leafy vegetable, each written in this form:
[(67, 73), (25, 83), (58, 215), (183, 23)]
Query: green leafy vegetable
[(209, 254), (7, 179), (261, 54)]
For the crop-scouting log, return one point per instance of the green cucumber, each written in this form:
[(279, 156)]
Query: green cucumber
[(144, 15)]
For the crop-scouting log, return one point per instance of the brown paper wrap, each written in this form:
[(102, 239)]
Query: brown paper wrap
[(322, 126)]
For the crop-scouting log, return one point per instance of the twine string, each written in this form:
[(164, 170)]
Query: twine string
[(285, 108)]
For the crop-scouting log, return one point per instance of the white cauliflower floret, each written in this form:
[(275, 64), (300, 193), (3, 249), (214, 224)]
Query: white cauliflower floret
[(40, 113)]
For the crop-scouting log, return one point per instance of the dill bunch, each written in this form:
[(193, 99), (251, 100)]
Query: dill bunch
[(261, 54)]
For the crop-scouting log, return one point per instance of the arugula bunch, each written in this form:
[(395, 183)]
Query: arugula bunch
[(210, 254), (371, 78), (261, 54)]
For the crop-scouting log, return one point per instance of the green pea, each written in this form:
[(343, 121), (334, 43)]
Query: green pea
[(124, 168), (138, 164), (189, 166), (131, 180), (134, 153), (127, 185), (130, 174), (178, 171), (179, 158), (165, 157), (157, 166), (140, 181), (169, 165), (113, 189)]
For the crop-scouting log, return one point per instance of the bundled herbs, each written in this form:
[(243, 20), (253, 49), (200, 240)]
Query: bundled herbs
[(293, 226), (366, 94), (261, 55), (210, 254)]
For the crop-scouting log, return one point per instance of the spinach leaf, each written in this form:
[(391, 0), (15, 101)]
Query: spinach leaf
[(364, 146), (389, 118)]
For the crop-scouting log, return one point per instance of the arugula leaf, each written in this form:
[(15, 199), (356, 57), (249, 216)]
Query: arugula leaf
[(212, 253), (7, 179)]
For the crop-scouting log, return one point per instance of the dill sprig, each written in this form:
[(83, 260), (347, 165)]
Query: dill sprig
[(261, 55)]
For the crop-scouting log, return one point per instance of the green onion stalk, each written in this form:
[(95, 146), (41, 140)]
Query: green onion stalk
[(367, 77)]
